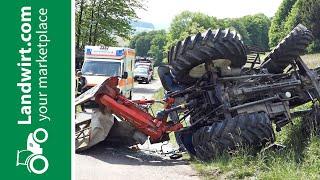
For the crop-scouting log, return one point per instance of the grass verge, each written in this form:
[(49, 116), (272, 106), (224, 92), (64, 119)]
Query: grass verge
[(299, 160), (157, 107)]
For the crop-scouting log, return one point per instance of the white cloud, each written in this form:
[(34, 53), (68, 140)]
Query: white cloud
[(161, 12)]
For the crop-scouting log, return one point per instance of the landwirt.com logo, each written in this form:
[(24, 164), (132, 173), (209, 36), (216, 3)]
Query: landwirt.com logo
[(33, 157)]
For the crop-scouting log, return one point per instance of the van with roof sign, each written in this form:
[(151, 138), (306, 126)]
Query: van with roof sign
[(101, 62)]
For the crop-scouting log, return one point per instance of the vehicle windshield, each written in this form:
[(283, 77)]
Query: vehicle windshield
[(141, 71), (101, 68)]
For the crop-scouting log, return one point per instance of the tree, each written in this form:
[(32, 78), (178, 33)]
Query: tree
[(80, 7), (101, 21), (143, 44), (150, 44), (188, 23), (290, 14), (238, 25), (253, 29), (311, 18), (294, 18), (157, 47), (306, 12), (257, 27), (277, 25)]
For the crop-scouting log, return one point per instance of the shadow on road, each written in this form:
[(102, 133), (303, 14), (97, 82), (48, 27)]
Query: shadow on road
[(113, 154)]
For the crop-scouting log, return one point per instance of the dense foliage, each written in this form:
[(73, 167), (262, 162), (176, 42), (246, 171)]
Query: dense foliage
[(253, 29), (188, 23), (257, 30), (150, 44), (290, 14), (101, 21), (157, 47), (278, 21)]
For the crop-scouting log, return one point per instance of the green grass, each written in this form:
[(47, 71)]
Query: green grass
[(159, 95), (155, 73), (299, 160), (157, 107), (312, 60)]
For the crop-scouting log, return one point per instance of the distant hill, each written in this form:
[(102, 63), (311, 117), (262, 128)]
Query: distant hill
[(141, 26)]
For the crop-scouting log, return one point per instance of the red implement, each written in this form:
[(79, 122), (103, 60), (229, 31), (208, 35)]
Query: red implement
[(109, 97)]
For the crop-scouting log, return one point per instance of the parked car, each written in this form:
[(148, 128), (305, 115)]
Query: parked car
[(142, 74), (144, 62)]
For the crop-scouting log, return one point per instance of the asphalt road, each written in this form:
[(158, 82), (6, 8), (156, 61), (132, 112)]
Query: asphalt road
[(105, 161), (146, 90)]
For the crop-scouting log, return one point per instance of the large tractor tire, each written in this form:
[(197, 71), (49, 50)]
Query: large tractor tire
[(252, 130), (201, 48), (311, 121), (288, 49)]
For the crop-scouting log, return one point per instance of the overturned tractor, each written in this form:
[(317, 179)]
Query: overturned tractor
[(230, 102)]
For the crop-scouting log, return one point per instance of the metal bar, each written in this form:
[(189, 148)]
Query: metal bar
[(311, 75), (254, 62), (248, 76), (268, 87), (253, 103)]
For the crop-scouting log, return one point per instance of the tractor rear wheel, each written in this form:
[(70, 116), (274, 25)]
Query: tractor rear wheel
[(187, 57), (252, 130), (288, 49)]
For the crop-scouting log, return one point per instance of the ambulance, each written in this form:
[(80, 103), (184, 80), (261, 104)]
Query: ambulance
[(101, 62)]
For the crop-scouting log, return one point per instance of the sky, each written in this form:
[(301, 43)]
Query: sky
[(161, 12)]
